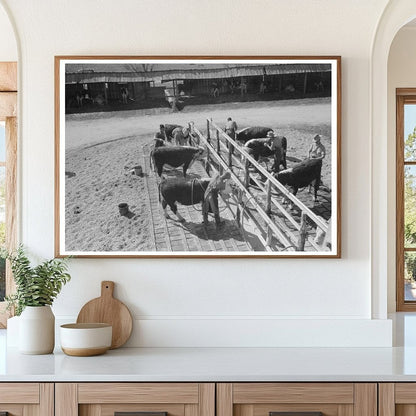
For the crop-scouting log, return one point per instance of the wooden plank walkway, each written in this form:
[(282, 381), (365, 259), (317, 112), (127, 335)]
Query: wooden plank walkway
[(191, 236)]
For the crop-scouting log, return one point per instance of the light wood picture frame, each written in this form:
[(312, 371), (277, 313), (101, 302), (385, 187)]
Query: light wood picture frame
[(198, 156)]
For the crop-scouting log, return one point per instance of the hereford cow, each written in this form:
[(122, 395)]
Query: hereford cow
[(166, 132), (169, 130), (249, 133), (175, 156), (181, 136), (302, 174), (196, 191)]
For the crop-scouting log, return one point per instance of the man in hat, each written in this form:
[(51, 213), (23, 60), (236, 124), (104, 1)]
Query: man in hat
[(317, 149)]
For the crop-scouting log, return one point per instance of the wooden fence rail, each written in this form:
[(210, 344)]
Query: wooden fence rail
[(276, 227), (250, 199), (281, 188)]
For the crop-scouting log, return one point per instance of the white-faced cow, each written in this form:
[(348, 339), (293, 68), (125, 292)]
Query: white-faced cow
[(166, 131), (301, 175), (275, 146), (169, 130), (196, 191), (175, 156)]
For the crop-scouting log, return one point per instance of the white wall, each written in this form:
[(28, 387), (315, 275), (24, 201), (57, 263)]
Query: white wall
[(275, 302), (401, 74), (8, 47)]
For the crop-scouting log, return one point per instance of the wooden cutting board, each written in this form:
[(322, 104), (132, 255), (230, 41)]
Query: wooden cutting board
[(107, 309)]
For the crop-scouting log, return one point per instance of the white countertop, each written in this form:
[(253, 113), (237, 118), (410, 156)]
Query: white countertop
[(215, 364), (222, 364)]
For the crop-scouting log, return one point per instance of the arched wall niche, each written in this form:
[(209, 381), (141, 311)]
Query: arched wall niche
[(396, 15)]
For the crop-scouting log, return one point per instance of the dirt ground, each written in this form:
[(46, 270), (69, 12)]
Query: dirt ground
[(102, 148)]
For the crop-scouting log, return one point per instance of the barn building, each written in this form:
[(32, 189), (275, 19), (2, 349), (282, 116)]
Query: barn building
[(113, 86)]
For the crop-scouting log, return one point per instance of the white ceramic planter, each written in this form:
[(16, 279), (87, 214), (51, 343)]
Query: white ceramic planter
[(37, 330)]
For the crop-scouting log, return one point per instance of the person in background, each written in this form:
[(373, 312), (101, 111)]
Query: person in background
[(232, 86), (317, 149), (243, 86), (215, 90), (124, 95), (231, 127)]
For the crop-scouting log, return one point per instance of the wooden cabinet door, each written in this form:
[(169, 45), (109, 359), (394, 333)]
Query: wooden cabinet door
[(297, 399), (397, 399), (27, 399), (145, 399)]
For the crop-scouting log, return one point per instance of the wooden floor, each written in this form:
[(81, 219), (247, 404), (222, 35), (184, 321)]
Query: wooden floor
[(172, 235)]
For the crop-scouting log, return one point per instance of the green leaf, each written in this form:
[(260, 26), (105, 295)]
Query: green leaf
[(35, 286)]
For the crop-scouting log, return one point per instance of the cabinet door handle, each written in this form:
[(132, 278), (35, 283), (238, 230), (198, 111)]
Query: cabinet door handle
[(295, 413), (139, 414)]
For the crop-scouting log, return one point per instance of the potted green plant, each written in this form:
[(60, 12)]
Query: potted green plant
[(36, 289)]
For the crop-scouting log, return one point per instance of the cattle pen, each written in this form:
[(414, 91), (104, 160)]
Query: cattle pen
[(257, 199), (101, 175)]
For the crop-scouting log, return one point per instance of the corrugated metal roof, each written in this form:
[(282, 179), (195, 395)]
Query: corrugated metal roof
[(103, 72)]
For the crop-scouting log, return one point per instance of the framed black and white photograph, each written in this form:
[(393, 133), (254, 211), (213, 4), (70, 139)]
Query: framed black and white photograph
[(198, 156)]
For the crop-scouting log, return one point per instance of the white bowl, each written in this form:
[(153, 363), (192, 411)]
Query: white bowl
[(83, 340)]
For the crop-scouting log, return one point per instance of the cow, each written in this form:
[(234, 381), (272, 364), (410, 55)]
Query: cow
[(275, 146), (166, 131), (181, 136), (159, 142), (169, 130), (248, 133), (301, 175), (175, 156), (196, 191)]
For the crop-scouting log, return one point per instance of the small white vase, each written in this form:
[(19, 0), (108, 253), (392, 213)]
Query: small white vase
[(37, 330)]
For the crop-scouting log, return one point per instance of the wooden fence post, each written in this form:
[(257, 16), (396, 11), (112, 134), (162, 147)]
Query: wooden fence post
[(302, 232), (208, 163), (246, 173), (230, 155), (239, 203), (269, 236), (208, 132), (268, 197), (220, 168)]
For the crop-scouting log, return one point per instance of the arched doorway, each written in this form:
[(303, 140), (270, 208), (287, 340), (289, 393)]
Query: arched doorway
[(396, 15)]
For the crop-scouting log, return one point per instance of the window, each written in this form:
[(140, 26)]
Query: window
[(406, 199), (8, 170)]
